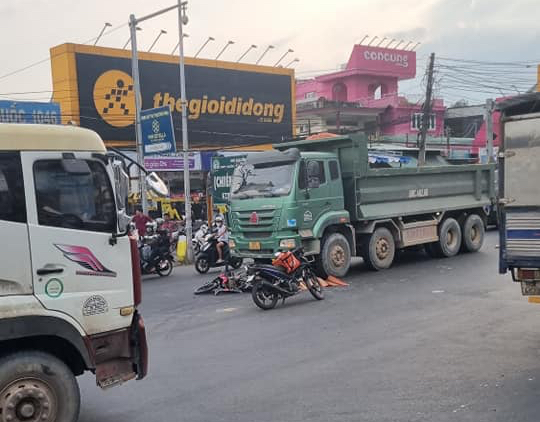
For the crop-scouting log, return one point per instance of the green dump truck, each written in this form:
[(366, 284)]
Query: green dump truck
[(341, 197)]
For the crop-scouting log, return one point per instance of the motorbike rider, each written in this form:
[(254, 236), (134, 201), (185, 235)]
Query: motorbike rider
[(158, 240), (222, 235)]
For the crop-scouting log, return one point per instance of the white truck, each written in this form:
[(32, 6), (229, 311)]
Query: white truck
[(70, 278), (519, 192)]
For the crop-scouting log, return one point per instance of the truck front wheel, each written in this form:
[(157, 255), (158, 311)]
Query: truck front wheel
[(379, 249), (335, 258), (36, 386)]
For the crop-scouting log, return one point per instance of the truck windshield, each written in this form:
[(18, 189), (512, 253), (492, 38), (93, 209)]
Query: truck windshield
[(264, 179)]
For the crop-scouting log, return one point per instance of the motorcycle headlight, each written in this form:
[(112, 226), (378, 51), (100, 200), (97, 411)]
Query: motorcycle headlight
[(287, 243), (232, 244)]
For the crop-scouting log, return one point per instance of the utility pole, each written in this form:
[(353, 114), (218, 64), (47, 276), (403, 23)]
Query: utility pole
[(426, 113), (489, 130)]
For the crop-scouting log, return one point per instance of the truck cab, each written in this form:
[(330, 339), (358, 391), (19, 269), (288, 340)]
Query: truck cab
[(282, 200), (70, 279)]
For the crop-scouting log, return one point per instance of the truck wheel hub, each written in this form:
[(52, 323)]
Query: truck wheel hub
[(338, 256), (450, 238), (381, 248), (28, 400)]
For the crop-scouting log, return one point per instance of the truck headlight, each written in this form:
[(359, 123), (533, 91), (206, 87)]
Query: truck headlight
[(287, 243), (232, 244)]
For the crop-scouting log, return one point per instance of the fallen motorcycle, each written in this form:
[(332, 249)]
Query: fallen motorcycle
[(228, 282), (283, 279)]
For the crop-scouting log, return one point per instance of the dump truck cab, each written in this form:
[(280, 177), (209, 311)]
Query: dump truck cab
[(281, 200)]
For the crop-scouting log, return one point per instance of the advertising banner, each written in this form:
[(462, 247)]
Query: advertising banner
[(221, 175), (383, 61), (228, 104), (29, 112), (157, 131), (172, 162)]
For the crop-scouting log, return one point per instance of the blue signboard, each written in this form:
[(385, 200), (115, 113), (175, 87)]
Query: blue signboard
[(157, 131), (30, 112)]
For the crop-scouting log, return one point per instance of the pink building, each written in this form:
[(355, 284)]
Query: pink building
[(364, 96)]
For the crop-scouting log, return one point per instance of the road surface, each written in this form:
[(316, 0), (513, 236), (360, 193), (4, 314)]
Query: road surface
[(428, 340)]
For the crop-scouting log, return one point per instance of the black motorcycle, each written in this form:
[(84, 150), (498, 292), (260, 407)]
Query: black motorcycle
[(162, 263), (208, 256), (270, 283)]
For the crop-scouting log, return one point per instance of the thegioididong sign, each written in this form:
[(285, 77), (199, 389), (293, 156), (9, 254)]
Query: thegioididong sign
[(227, 103)]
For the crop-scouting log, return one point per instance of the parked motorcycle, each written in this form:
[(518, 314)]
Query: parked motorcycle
[(208, 256), (162, 264), (283, 279)]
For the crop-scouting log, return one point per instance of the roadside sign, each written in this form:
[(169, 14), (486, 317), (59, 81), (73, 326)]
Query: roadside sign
[(172, 162), (222, 170), (157, 131), (30, 112)]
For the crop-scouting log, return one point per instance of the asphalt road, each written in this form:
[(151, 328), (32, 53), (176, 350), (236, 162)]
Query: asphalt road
[(428, 340)]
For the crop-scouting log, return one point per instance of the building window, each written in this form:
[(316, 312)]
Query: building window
[(308, 95), (416, 121)]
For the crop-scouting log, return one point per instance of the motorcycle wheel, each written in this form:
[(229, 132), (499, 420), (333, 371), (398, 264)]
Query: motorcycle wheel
[(236, 262), (164, 270), (202, 265), (264, 298), (313, 285), (207, 287)]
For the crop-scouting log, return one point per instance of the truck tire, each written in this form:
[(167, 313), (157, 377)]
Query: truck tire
[(449, 242), (379, 249), (473, 233), (335, 257), (37, 386)]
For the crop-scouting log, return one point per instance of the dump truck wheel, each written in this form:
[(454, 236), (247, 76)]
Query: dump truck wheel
[(36, 386), (473, 233), (449, 239), (379, 249), (335, 257)]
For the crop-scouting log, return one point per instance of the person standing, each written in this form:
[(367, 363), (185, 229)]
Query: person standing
[(222, 237), (140, 221)]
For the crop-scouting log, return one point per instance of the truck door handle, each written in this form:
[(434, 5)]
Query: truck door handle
[(45, 271)]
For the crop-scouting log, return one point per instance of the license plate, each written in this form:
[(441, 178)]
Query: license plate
[(255, 246)]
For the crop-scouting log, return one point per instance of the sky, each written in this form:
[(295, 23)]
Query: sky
[(321, 33)]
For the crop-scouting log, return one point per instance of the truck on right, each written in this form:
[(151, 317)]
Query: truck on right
[(519, 192)]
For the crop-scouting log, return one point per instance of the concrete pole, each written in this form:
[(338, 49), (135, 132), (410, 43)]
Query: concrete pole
[(137, 93), (426, 113), (182, 19), (489, 130)]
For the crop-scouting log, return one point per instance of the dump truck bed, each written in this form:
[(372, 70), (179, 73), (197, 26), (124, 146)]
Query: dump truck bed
[(375, 193)]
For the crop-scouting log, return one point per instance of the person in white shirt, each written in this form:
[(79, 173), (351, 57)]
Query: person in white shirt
[(222, 237)]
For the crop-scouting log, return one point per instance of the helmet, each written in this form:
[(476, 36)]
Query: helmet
[(219, 219), (159, 222), (151, 227)]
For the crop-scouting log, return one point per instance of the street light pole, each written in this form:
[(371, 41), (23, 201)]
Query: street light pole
[(252, 46), (283, 56), (224, 48), (107, 24), (129, 39), (137, 90), (263, 54), (177, 45), (204, 45), (182, 20), (156, 40)]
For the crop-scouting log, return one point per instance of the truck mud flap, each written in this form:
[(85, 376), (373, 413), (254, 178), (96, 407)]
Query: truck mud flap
[(120, 355)]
